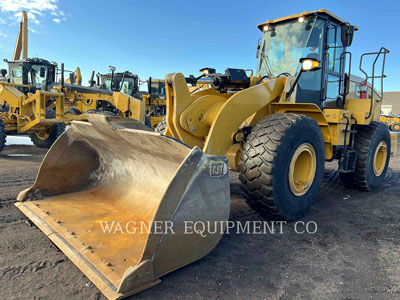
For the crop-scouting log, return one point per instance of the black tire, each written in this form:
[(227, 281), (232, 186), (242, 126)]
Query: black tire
[(264, 170), (55, 131), (395, 127), (147, 122), (161, 127), (366, 142), (3, 135)]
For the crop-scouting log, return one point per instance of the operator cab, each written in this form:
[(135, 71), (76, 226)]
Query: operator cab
[(157, 88), (35, 73), (318, 35), (126, 82)]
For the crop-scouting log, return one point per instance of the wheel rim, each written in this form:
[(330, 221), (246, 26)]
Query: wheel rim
[(302, 169), (380, 158), (43, 134)]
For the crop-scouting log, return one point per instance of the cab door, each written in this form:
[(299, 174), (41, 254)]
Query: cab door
[(334, 73)]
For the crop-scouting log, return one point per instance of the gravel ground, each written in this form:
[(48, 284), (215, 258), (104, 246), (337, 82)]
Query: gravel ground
[(354, 254)]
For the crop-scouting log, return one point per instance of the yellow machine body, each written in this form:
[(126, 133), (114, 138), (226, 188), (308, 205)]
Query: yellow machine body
[(392, 122), (210, 120), (26, 113), (110, 169)]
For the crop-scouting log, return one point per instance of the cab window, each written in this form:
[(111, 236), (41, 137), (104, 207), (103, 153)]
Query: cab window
[(16, 74), (335, 61), (335, 48), (37, 75)]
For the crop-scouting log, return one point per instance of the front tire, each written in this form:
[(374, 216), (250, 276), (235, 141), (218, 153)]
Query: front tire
[(46, 138), (372, 144), (282, 165), (3, 135)]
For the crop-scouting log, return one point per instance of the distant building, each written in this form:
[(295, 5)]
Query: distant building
[(392, 98)]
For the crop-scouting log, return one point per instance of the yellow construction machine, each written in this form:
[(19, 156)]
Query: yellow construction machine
[(24, 94), (129, 83), (276, 128), (393, 122), (34, 101)]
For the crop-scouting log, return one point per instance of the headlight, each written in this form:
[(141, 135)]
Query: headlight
[(310, 64)]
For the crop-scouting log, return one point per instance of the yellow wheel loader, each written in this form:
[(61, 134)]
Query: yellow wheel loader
[(33, 102), (276, 128)]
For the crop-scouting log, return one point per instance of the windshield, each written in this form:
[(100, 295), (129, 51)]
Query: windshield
[(37, 75), (16, 74), (284, 44), (158, 88), (128, 86)]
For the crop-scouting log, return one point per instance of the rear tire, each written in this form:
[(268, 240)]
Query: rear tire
[(272, 181), (372, 144), (161, 127), (3, 135), (49, 137)]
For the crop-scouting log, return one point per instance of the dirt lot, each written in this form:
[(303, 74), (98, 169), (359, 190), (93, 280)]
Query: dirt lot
[(355, 253)]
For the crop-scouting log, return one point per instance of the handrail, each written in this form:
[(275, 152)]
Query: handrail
[(383, 51), (343, 71)]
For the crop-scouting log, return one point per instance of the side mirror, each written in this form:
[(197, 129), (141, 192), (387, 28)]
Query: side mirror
[(347, 35), (42, 72), (258, 48), (309, 64)]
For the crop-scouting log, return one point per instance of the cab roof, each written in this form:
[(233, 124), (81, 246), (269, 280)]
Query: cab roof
[(304, 14)]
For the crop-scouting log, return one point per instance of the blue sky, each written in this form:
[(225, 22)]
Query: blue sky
[(153, 38)]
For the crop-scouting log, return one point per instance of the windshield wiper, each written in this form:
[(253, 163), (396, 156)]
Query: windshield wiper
[(268, 68)]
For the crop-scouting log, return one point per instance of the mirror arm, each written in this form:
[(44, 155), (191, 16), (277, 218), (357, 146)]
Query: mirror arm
[(296, 79)]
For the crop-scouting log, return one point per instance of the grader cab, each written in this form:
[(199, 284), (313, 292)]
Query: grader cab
[(277, 128)]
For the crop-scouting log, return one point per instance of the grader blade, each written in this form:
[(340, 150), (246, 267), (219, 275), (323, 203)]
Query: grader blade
[(113, 174)]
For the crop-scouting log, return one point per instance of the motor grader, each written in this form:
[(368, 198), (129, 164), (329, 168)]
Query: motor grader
[(277, 128), (129, 83), (33, 102)]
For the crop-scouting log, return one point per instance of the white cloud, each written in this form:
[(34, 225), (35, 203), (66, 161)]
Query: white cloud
[(32, 30), (35, 9), (31, 17), (56, 20), (3, 35), (30, 5)]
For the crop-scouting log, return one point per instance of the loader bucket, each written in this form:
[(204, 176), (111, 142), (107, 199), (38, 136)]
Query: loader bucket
[(108, 171)]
